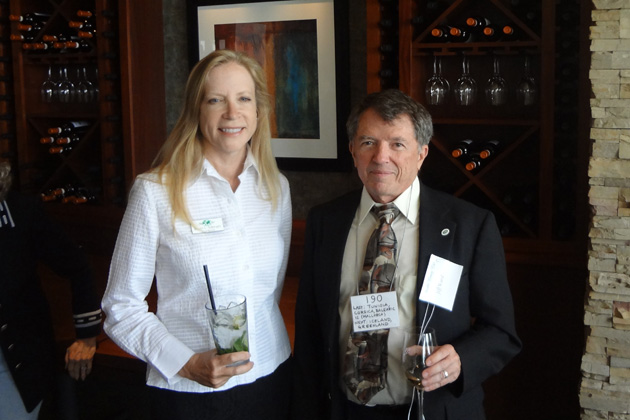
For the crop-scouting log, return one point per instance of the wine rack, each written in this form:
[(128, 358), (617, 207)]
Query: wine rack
[(7, 126), (530, 183), (81, 163), (84, 61)]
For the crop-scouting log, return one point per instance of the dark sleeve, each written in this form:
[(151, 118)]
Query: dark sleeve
[(66, 259), (491, 341), (310, 400)]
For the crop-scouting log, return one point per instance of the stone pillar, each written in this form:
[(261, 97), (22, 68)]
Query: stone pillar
[(605, 387)]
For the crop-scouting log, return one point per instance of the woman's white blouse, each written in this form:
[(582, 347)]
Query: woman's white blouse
[(246, 251)]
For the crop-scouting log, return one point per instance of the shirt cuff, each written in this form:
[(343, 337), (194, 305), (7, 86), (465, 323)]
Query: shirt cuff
[(170, 358)]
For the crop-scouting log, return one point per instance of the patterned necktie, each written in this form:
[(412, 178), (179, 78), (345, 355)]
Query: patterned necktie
[(365, 367)]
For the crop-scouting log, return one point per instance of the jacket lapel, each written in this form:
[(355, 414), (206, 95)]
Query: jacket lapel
[(437, 230)]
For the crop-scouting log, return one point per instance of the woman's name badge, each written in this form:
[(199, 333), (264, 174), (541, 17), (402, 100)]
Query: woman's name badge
[(441, 282), (375, 311), (207, 225)]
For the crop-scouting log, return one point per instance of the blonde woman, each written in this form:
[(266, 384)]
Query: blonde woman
[(215, 167)]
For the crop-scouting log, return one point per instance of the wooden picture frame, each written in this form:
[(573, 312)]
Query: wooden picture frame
[(303, 47)]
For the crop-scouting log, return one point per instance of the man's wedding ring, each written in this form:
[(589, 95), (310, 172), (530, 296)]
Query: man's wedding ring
[(445, 373)]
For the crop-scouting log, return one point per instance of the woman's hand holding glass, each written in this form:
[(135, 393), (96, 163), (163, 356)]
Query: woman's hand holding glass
[(213, 370)]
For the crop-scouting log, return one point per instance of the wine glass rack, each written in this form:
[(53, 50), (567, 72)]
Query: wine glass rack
[(531, 182)]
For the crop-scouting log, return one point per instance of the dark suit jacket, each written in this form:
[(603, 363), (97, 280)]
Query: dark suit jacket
[(483, 296), (26, 334)]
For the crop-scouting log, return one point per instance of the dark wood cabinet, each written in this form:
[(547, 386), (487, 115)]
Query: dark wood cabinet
[(535, 181), (114, 84)]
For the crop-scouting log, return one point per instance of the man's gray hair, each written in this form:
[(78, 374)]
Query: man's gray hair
[(390, 104)]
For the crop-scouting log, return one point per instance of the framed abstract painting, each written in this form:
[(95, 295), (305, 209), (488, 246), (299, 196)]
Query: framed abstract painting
[(302, 45)]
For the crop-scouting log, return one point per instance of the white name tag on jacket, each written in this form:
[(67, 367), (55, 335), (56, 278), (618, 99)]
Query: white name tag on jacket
[(207, 225), (440, 282), (374, 311)]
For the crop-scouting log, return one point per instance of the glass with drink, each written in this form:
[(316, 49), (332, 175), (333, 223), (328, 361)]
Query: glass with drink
[(228, 322), (418, 345)]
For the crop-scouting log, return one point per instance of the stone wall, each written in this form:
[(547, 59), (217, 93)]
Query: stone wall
[(605, 388)]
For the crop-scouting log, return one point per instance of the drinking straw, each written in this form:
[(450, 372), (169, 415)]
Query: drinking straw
[(205, 270)]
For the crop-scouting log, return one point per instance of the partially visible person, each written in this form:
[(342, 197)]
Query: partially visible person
[(27, 361), (344, 374), (214, 198)]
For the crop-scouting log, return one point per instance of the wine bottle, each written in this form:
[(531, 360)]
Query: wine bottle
[(29, 18), (49, 195), (68, 194), (460, 35), (49, 38), (22, 37), (37, 47), (86, 34), (48, 140), (462, 148), (83, 196), (73, 138), (85, 14), (441, 34), (30, 27), (61, 39), (509, 33), (85, 25), (489, 148), (60, 150), (474, 162), (491, 33), (70, 127), (477, 23), (78, 46)]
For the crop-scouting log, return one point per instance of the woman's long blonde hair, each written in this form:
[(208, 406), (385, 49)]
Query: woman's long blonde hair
[(180, 159)]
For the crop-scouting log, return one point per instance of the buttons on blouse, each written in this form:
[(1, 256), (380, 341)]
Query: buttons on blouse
[(4, 327)]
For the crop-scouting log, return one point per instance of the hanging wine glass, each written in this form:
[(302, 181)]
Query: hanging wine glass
[(496, 87), (466, 87), (65, 88), (95, 90), (526, 89), (48, 88), (84, 88), (437, 87)]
